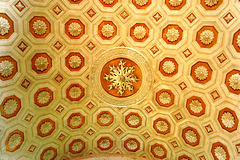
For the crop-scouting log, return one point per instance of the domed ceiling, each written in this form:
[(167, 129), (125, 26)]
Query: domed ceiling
[(143, 79)]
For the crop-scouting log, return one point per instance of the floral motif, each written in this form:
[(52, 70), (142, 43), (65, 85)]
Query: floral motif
[(196, 106), (121, 78), (14, 140), (74, 61), (211, 2), (39, 27), (75, 120), (77, 146), (43, 97), (206, 37), (6, 68), (46, 127), (4, 26), (41, 63), (107, 30), (141, 2), (191, 136), (175, 3), (168, 67), (108, 1), (228, 119), (162, 126), (238, 40), (172, 35), (10, 106), (234, 81), (105, 143), (165, 97), (158, 151), (75, 92), (49, 154), (132, 145), (74, 29), (133, 120), (201, 73), (139, 32), (220, 153), (105, 118)]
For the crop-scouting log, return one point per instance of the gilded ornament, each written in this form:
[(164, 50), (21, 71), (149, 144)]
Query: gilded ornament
[(220, 153), (108, 1), (201, 73), (234, 81), (191, 136), (107, 30), (165, 97), (14, 140), (139, 32), (175, 3), (75, 120), (39, 27), (132, 145), (74, 61), (74, 29), (158, 151), (141, 2), (10, 106), (104, 143), (43, 97), (46, 127), (172, 34), (168, 67), (6, 68), (4, 26), (41, 63), (162, 126), (206, 37), (77, 146), (211, 3), (105, 118), (48, 155), (196, 106), (75, 92), (228, 119), (121, 78)]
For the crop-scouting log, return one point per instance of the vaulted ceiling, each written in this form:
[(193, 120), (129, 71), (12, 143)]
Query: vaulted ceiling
[(143, 79)]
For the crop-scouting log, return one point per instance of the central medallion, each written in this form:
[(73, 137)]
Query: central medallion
[(121, 77)]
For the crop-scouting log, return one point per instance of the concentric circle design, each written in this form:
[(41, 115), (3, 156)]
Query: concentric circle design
[(161, 126), (49, 153), (122, 78), (133, 120), (75, 120), (228, 119), (196, 106), (10, 106), (43, 97), (45, 127), (105, 143), (132, 144), (191, 136), (159, 151), (14, 140)]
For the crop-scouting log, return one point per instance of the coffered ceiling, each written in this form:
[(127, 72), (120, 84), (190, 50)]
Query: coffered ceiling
[(143, 79)]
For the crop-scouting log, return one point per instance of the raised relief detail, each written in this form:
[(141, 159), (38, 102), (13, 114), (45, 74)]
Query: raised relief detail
[(108, 1), (165, 98), (41, 63), (168, 67), (132, 145), (206, 37), (191, 136), (107, 30), (46, 127), (220, 153), (141, 2), (121, 78), (234, 81), (74, 29), (172, 35), (74, 61), (49, 154), (139, 32), (158, 151), (75, 92), (211, 2), (196, 106), (201, 73), (175, 3), (6, 68), (39, 27), (75, 120), (105, 143), (4, 26), (77, 146), (43, 97), (162, 126), (14, 140), (105, 118), (10, 106), (238, 40), (228, 120)]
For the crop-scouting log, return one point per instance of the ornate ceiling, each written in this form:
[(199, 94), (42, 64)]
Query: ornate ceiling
[(141, 79)]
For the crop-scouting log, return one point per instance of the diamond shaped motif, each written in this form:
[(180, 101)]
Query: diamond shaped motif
[(146, 135), (202, 157), (58, 45), (221, 58), (90, 132), (148, 109), (215, 95), (20, 6), (91, 46), (154, 49), (182, 85), (187, 53), (157, 16), (60, 108), (178, 116), (57, 10), (91, 13), (90, 105), (175, 144), (119, 131), (29, 117), (208, 128), (191, 17), (61, 137), (22, 46), (228, 18), (124, 14), (32, 148), (238, 148), (25, 84), (59, 78)]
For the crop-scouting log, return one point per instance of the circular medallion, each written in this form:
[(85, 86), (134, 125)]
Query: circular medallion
[(121, 76)]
